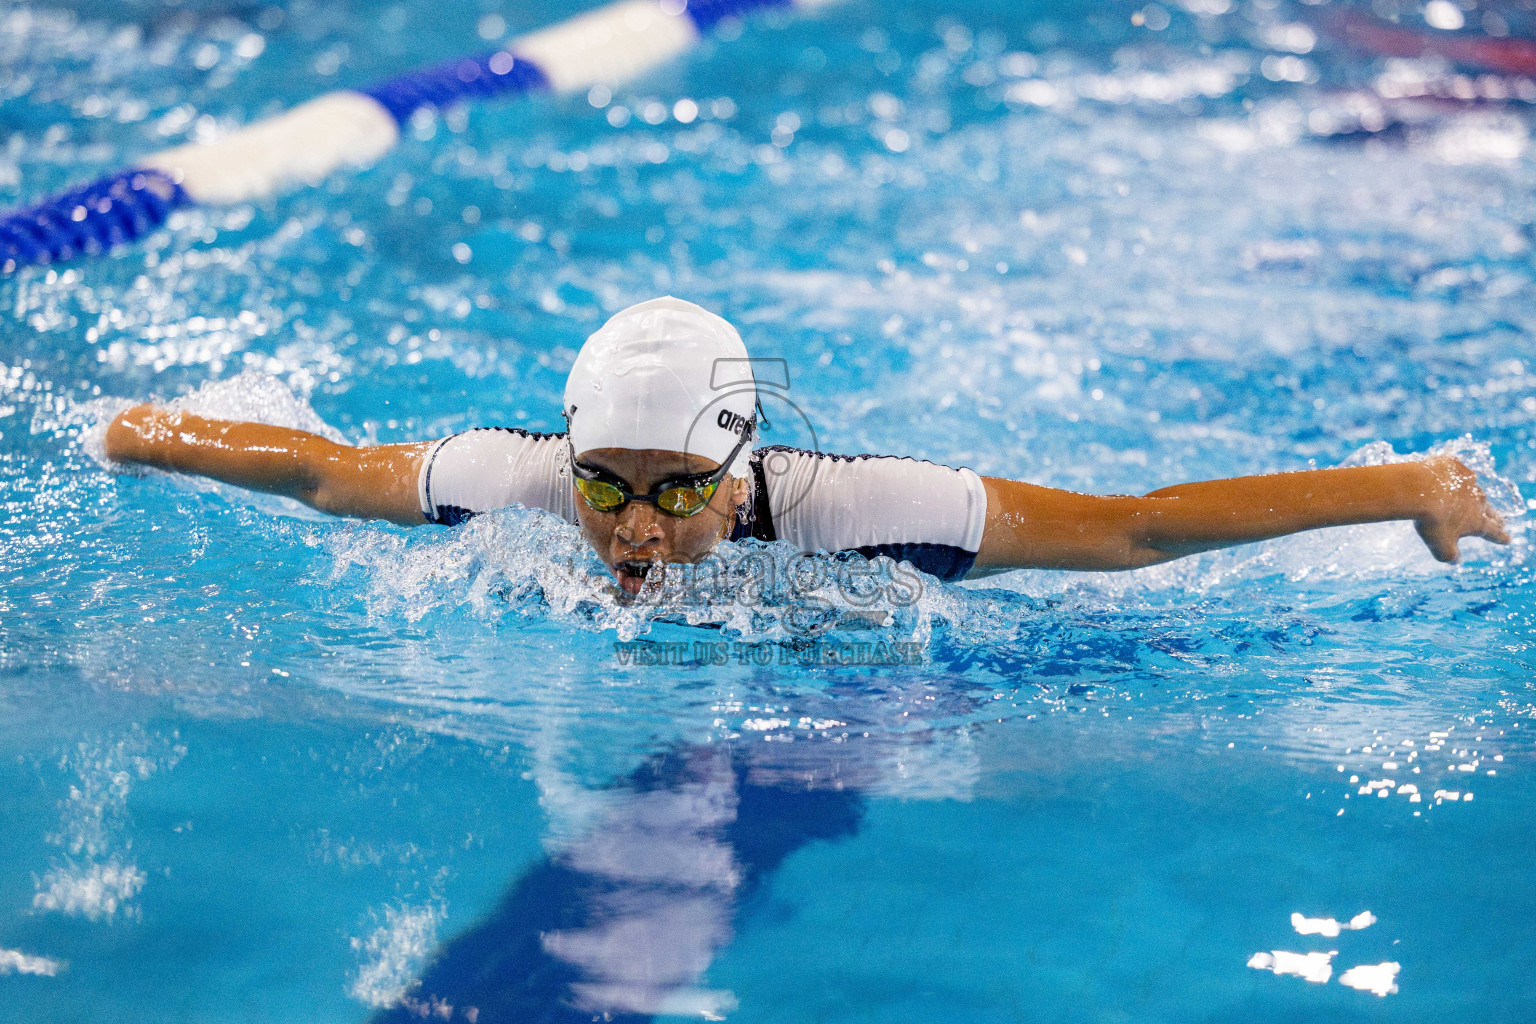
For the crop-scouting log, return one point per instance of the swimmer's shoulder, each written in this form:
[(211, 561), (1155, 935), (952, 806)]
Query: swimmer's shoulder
[(486, 468)]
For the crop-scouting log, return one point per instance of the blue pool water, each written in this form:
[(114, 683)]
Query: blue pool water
[(258, 765)]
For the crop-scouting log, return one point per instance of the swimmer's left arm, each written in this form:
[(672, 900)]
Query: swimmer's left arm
[(1044, 528)]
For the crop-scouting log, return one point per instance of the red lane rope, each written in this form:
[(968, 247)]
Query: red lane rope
[(1508, 56)]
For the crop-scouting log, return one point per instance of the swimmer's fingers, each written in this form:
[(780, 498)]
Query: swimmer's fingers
[(1440, 540), (1492, 527), (1485, 522)]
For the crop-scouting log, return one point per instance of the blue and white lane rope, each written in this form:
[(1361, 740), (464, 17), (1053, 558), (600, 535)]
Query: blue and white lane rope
[(349, 128)]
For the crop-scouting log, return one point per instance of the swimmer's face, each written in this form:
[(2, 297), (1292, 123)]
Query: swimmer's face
[(639, 536)]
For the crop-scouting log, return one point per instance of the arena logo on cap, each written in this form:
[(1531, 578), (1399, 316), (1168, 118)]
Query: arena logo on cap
[(734, 422)]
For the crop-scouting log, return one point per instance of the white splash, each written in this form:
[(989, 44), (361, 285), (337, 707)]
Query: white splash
[(1328, 927), (1183, 81), (1314, 967), (394, 952), (604, 1000), (250, 396), (1378, 978), (1481, 140), (94, 891), (255, 397), (16, 962), (92, 418), (516, 561)]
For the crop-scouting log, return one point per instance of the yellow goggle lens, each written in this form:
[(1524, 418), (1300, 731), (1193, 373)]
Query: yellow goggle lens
[(602, 496), (685, 501)]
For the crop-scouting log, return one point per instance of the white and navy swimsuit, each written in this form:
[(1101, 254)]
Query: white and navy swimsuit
[(912, 511)]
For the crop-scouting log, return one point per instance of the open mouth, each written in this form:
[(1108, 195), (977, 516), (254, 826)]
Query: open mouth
[(632, 574)]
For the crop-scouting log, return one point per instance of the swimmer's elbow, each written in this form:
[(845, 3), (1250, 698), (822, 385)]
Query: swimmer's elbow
[(1113, 537), (335, 498), (319, 480), (352, 506), (348, 504), (361, 483), (1142, 555), (323, 499), (1126, 546), (1122, 555)]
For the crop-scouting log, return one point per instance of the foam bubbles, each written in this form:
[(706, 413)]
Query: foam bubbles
[(394, 952), (251, 396), (1314, 967), (1379, 979), (521, 562), (14, 961), (1329, 927), (255, 397), (92, 891), (95, 878)]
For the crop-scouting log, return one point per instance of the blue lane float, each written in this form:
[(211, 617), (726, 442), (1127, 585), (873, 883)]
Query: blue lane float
[(91, 220), (491, 75), (608, 46)]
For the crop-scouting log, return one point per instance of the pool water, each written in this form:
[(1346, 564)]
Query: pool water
[(260, 765)]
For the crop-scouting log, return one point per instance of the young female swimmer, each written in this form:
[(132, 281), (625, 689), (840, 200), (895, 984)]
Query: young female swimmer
[(657, 466)]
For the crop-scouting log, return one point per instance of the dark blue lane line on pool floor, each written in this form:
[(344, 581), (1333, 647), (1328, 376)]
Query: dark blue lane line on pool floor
[(503, 967)]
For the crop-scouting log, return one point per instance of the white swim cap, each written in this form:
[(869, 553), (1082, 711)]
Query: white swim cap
[(663, 374)]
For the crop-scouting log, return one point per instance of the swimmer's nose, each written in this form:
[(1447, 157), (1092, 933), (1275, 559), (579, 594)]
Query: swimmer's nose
[(638, 525)]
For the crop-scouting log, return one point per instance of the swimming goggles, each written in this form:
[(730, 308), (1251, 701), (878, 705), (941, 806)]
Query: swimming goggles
[(683, 497)]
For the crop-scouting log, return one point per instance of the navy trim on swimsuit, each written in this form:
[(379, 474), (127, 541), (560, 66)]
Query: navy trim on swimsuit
[(759, 521), (945, 561), (859, 457), (537, 435), (451, 515), (431, 462)]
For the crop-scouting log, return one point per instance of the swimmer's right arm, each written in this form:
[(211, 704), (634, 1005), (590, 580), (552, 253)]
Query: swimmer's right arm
[(376, 482)]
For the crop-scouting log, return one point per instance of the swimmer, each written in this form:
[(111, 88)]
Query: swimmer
[(656, 466)]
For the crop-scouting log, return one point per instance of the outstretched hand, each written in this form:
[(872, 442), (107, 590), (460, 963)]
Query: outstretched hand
[(1456, 507), (133, 433)]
